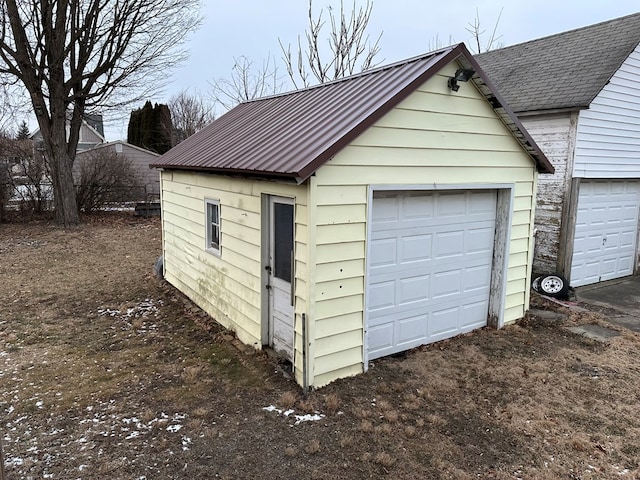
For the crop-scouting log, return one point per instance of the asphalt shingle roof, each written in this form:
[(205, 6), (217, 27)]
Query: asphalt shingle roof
[(563, 71), (291, 135)]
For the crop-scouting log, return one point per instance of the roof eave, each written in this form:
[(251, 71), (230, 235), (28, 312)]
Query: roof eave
[(233, 172), (507, 115)]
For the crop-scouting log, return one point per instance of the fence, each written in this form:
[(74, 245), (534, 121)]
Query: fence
[(39, 198)]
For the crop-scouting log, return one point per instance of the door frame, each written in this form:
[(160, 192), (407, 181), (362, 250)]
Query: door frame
[(267, 202), (501, 244)]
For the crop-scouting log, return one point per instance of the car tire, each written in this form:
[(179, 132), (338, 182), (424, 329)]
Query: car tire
[(554, 285)]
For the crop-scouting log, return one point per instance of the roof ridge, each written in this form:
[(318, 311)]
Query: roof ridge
[(561, 34), (355, 76)]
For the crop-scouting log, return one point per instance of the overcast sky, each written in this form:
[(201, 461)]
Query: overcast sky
[(252, 28)]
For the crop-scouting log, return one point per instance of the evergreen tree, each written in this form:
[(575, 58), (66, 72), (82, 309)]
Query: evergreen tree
[(23, 131), (150, 127)]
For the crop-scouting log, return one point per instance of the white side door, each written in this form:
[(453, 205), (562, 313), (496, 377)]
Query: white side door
[(281, 271)]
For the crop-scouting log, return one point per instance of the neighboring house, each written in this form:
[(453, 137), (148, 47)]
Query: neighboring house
[(91, 133), (578, 94), (359, 218), (140, 159)]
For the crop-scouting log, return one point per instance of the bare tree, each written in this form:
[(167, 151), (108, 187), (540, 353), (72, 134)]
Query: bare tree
[(247, 81), (28, 178), (477, 33), (189, 113), (105, 177), (75, 56), (350, 49)]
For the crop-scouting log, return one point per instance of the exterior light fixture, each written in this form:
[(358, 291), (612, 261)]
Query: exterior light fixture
[(462, 75)]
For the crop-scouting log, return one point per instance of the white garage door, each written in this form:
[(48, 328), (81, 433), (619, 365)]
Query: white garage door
[(429, 267), (606, 231)]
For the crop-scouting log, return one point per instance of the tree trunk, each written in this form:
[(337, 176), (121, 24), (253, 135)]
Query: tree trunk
[(64, 192), (61, 170)]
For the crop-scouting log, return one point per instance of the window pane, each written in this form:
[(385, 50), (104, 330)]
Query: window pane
[(214, 214), (213, 225), (215, 237), (283, 238)]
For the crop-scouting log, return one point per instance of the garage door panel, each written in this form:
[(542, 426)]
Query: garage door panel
[(444, 323), (451, 205), (382, 295), (411, 329), (449, 244), (415, 247), (413, 289), (446, 284), (479, 240), (477, 278), (382, 339), (606, 231), (383, 252), (482, 203), (437, 285), (415, 207), (386, 211), (474, 315)]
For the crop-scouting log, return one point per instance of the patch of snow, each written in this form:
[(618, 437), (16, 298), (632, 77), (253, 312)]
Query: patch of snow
[(308, 418), (272, 408), (14, 461), (299, 418), (174, 428)]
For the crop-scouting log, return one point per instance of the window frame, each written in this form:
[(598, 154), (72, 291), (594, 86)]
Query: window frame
[(210, 203)]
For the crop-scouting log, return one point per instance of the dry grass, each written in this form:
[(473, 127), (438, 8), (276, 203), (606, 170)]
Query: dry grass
[(287, 399), (160, 393), (313, 446), (384, 459), (332, 403)]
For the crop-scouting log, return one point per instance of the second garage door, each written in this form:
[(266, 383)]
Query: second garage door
[(606, 231), (429, 267)]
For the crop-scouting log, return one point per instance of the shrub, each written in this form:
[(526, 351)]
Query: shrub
[(28, 181), (105, 177), (5, 189)]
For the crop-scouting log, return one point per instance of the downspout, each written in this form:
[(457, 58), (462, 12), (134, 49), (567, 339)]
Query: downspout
[(305, 377)]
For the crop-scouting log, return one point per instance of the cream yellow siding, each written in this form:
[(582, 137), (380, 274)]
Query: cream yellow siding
[(433, 137), (229, 287)]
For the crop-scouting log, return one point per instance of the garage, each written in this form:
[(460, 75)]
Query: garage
[(606, 231), (407, 204), (430, 259)]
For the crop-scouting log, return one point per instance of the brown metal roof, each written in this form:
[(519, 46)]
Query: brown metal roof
[(293, 134)]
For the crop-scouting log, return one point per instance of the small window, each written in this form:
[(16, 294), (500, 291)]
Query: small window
[(213, 226)]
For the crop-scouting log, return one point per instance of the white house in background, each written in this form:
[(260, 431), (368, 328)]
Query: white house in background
[(358, 218), (578, 94)]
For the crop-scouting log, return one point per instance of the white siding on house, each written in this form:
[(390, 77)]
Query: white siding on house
[(608, 142), (555, 135), (229, 286), (434, 137)]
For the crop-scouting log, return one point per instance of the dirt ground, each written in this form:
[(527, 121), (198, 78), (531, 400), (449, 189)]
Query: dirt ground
[(106, 372)]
